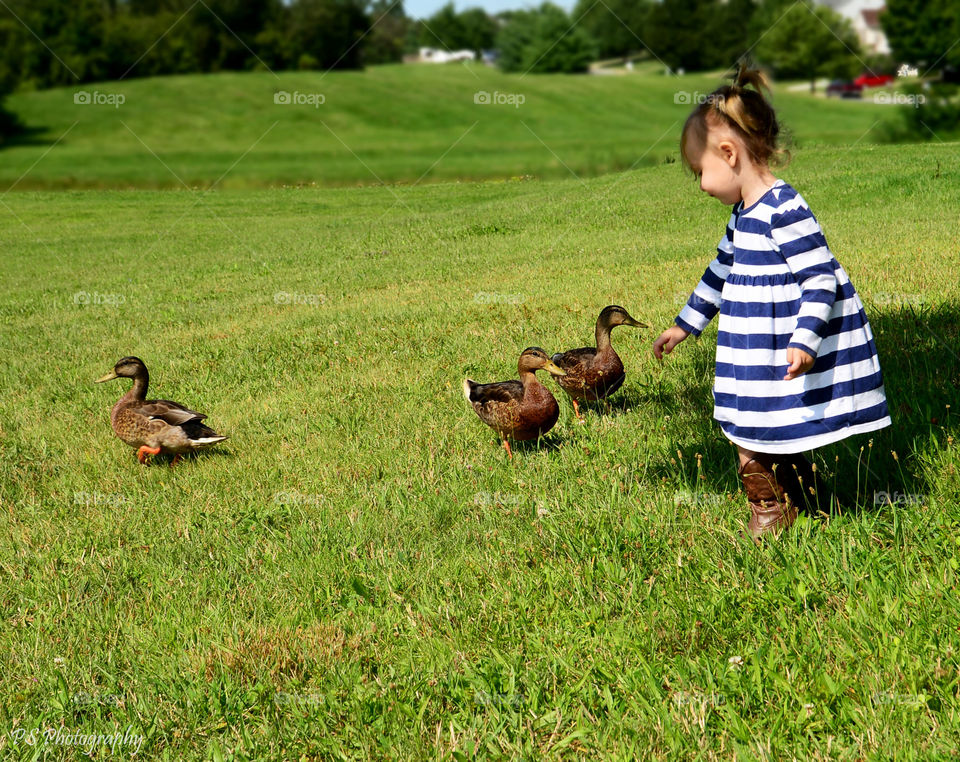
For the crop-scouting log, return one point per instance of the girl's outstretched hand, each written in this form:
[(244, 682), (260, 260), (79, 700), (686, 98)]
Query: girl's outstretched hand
[(800, 363), (667, 340)]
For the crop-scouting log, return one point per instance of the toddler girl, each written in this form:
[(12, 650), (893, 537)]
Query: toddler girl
[(796, 363)]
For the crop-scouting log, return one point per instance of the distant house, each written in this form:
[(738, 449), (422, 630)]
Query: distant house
[(864, 17), (435, 55)]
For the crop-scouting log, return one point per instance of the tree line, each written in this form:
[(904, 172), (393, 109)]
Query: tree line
[(46, 43)]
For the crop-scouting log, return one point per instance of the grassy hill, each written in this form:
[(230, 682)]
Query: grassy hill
[(359, 572), (390, 123)]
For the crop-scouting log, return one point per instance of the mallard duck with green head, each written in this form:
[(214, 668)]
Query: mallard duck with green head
[(594, 373), (517, 410), (155, 426)]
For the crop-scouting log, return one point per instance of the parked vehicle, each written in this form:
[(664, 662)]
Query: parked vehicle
[(873, 80), (844, 88)]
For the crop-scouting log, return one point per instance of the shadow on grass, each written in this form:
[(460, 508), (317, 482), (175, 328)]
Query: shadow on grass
[(919, 348), (549, 443), (21, 135), (622, 402), (166, 459)]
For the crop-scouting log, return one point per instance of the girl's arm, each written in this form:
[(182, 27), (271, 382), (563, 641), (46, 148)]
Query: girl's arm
[(800, 240)]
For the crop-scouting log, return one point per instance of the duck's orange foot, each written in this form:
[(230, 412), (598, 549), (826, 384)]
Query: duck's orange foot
[(506, 446), (144, 451), (576, 411)]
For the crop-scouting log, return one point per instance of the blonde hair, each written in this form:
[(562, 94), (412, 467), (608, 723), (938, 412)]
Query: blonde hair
[(745, 111)]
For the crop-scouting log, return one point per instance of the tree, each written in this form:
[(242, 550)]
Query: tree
[(327, 33), (225, 31), (731, 35), (679, 32), (544, 40), (93, 40), (472, 29), (479, 30), (444, 29), (808, 42), (8, 122), (130, 45), (72, 35), (923, 32), (388, 31), (617, 26)]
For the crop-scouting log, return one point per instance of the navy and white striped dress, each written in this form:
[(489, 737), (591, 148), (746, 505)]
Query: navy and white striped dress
[(777, 285)]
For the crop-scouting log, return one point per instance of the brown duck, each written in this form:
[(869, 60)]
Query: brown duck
[(594, 373), (518, 410), (155, 426)]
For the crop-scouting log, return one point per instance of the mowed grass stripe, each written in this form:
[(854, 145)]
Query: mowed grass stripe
[(397, 120)]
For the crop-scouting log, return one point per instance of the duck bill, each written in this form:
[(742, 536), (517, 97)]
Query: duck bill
[(109, 377), (637, 323), (553, 369)]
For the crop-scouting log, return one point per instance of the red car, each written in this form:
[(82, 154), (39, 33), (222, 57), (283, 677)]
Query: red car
[(873, 80), (843, 88)]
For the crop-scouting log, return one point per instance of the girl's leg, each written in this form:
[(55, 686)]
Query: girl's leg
[(771, 507)]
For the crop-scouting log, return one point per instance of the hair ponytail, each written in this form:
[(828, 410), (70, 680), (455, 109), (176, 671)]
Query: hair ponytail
[(743, 107), (746, 77)]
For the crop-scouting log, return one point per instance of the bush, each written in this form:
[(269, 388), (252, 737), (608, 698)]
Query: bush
[(930, 114), (8, 122)]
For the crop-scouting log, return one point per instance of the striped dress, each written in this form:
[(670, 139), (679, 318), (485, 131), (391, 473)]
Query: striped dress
[(777, 285)]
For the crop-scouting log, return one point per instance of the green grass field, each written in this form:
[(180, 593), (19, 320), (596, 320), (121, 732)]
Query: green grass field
[(387, 124), (359, 572)]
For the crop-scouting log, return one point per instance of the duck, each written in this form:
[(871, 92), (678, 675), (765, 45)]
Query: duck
[(594, 373), (155, 426), (518, 410)]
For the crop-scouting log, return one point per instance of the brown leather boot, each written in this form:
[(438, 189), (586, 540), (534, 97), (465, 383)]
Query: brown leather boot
[(772, 507)]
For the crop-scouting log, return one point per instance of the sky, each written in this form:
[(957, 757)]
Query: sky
[(426, 8)]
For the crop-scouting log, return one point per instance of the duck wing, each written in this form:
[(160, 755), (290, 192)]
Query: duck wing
[(576, 361), (502, 392), (171, 413)]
